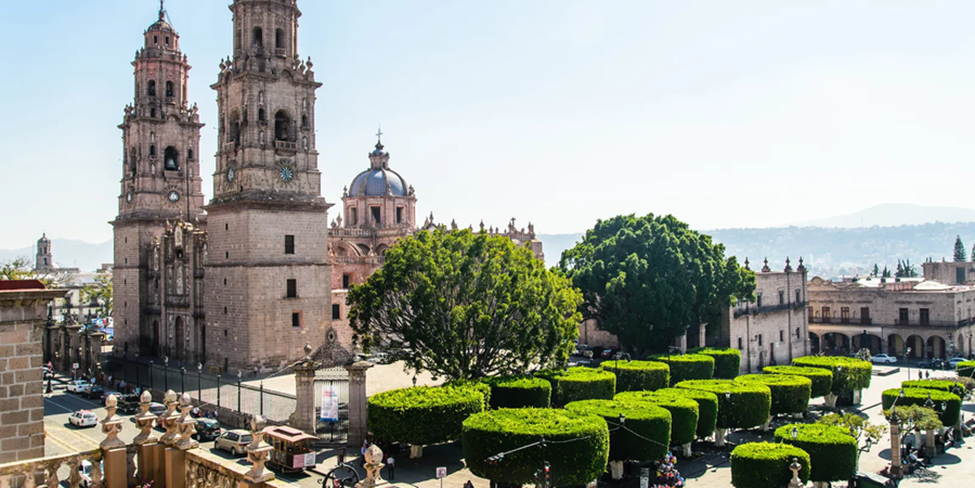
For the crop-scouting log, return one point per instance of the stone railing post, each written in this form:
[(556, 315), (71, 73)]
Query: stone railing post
[(149, 449), (113, 448), (258, 453), (304, 417), (182, 427), (173, 458), (358, 415), (895, 450)]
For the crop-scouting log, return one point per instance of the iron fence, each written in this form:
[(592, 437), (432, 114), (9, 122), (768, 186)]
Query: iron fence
[(332, 432)]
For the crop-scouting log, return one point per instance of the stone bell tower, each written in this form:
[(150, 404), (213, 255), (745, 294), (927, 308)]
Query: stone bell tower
[(267, 280), (160, 173)]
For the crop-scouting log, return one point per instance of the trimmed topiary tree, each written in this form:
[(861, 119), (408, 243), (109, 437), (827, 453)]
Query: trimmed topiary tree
[(519, 392), (822, 379), (919, 396), (740, 405), (684, 414), (790, 393), (422, 415), (573, 463), (849, 374), (832, 450), (707, 407), (949, 386), (965, 368), (645, 419), (477, 385), (766, 465), (727, 361), (579, 383), (639, 375), (687, 367)]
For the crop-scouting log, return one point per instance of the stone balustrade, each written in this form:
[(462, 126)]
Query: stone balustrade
[(173, 461)]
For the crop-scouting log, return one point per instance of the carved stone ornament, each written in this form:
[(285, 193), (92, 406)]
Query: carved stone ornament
[(374, 464), (112, 425), (169, 419), (186, 425), (145, 421), (258, 452)]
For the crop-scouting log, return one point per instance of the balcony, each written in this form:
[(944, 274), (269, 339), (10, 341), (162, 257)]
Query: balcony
[(230, 147), (770, 309), (286, 146)]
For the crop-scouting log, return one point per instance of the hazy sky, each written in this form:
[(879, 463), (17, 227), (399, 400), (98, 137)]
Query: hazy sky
[(724, 113)]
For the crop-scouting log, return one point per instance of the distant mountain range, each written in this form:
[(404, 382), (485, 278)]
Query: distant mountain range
[(892, 215)]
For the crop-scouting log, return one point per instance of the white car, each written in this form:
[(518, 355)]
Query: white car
[(78, 386), (83, 418), (954, 362), (883, 358)]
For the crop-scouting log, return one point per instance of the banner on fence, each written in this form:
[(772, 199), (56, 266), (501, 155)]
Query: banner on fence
[(330, 403)]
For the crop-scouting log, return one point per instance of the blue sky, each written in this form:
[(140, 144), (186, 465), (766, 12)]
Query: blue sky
[(726, 114)]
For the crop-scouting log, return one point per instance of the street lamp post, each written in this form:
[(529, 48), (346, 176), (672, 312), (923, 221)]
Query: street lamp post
[(152, 377), (182, 381), (199, 389), (907, 359), (238, 391), (218, 391), (166, 371), (895, 440)]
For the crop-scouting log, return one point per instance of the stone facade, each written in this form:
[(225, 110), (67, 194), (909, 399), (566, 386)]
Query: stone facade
[(772, 329), (949, 272), (23, 313), (931, 318)]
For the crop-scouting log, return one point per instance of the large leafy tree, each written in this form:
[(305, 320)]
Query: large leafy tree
[(100, 291), (466, 305), (959, 250), (646, 279), (21, 269)]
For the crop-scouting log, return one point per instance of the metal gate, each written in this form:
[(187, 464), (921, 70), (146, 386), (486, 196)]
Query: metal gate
[(327, 431)]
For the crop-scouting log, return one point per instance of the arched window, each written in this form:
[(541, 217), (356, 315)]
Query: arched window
[(167, 41), (258, 38), (152, 151), (279, 38), (304, 122), (234, 127), (169, 89), (152, 113), (171, 159), (237, 40), (132, 160), (189, 154), (152, 88), (261, 116), (282, 125)]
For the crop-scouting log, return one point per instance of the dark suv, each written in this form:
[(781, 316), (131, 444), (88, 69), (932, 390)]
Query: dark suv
[(128, 404), (207, 429)]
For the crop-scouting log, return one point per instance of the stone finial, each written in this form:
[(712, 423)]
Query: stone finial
[(795, 467), (482, 225), (801, 268), (453, 224), (186, 425), (746, 264), (788, 265), (766, 269), (373, 460), (145, 420), (258, 452), (307, 350), (111, 425), (169, 418)]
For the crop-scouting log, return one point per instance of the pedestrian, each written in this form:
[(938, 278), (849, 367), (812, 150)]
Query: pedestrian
[(468, 484), (341, 456), (920, 375), (216, 415), (365, 445), (927, 375), (391, 464)]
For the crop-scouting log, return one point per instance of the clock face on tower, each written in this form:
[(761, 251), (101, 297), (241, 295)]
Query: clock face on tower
[(173, 196), (231, 174), (287, 174), (128, 197)]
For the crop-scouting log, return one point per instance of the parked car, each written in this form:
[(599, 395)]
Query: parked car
[(157, 408), (128, 404), (234, 441), (106, 393), (607, 353), (953, 362), (207, 429), (83, 418), (883, 358), (94, 392), (932, 364), (84, 471), (78, 386)]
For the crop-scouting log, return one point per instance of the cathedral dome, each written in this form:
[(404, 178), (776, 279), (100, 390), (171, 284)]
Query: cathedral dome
[(378, 182), (161, 25)]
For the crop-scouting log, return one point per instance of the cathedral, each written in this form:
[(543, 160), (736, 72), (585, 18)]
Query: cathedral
[(244, 281)]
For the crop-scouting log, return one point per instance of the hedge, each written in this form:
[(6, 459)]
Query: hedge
[(477, 385), (790, 393), (748, 404), (965, 368), (832, 450), (707, 407), (687, 367), (684, 412), (422, 415), (639, 375), (919, 396), (854, 375), (649, 421), (579, 383), (822, 379), (949, 386), (519, 392), (574, 463), (727, 361), (766, 465)]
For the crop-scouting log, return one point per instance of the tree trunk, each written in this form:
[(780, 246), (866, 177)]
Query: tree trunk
[(766, 424), (616, 469), (831, 400), (687, 450), (719, 437), (416, 452)]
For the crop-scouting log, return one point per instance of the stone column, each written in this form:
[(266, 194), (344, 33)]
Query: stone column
[(150, 451), (357, 402), (895, 450), (258, 453), (96, 351), (304, 416), (73, 341), (113, 448)]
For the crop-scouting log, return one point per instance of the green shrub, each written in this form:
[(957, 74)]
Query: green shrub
[(647, 420), (519, 392), (832, 450), (849, 374), (790, 393), (574, 463), (422, 415), (766, 465), (580, 383), (949, 386), (639, 375), (477, 385), (822, 379), (727, 360), (687, 367), (746, 405), (965, 368), (919, 396), (684, 412), (707, 407)]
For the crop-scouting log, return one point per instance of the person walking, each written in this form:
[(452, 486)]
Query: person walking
[(391, 464), (362, 459)]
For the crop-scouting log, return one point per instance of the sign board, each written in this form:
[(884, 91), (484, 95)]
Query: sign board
[(310, 460), (644, 477), (442, 472), (298, 461), (330, 403), (74, 366)]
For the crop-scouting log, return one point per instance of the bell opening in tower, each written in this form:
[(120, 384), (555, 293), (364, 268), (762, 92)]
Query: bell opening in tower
[(279, 39), (171, 159), (282, 123), (258, 37)]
